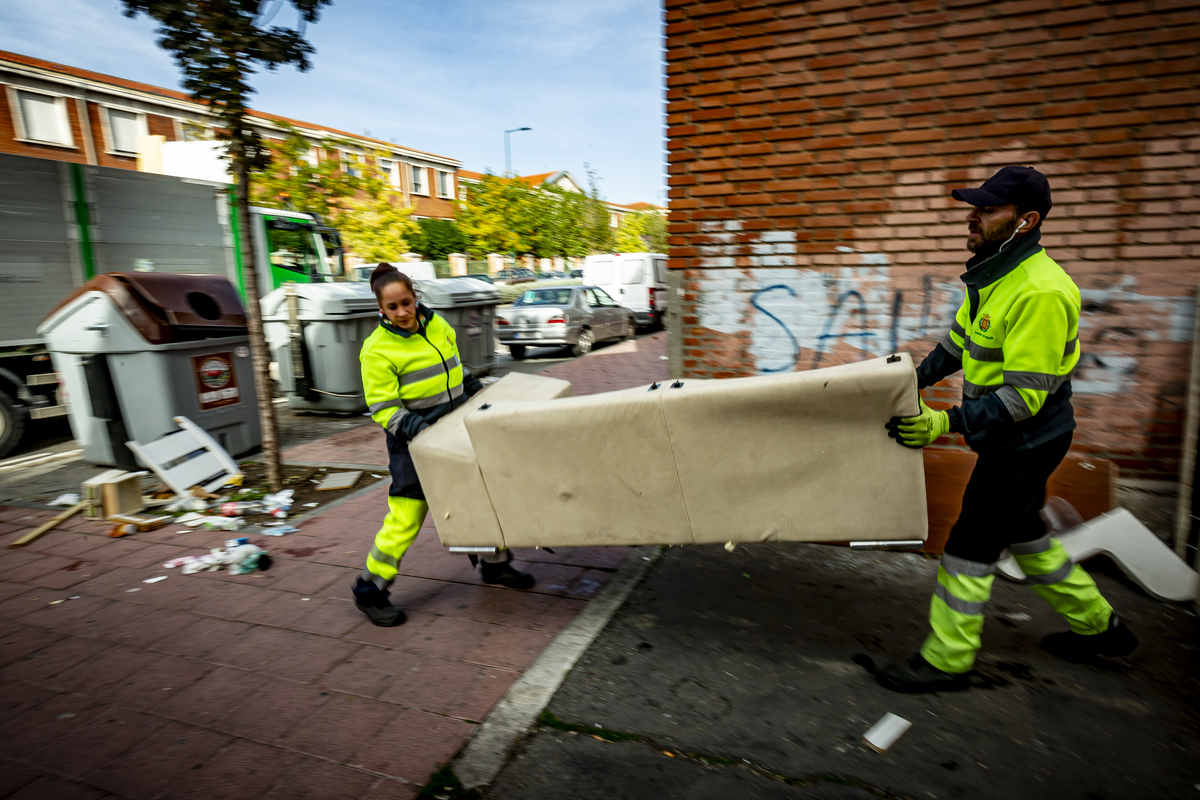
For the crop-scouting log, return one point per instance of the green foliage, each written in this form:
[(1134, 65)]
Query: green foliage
[(367, 210), (507, 215), (374, 223), (642, 232), (293, 181), (438, 238)]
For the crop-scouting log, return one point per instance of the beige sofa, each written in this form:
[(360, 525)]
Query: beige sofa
[(802, 456)]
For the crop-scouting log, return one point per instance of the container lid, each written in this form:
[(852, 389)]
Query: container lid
[(168, 307), (323, 300), (452, 292)]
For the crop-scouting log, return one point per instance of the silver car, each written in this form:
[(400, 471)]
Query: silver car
[(564, 316)]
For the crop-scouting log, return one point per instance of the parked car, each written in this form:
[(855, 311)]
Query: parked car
[(637, 280), (570, 316), (480, 276), (509, 277), (575, 273), (547, 275)]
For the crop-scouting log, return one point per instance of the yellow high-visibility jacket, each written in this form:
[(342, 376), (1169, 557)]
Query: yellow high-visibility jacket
[(1016, 338), (413, 379)]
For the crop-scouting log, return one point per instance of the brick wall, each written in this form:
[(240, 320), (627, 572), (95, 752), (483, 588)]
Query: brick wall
[(813, 147)]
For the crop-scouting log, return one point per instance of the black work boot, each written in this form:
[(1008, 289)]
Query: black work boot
[(504, 574), (919, 676), (373, 601), (1115, 642)]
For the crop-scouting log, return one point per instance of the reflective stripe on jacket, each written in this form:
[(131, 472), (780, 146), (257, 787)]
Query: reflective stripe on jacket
[(1022, 341), (410, 372), (1016, 338)]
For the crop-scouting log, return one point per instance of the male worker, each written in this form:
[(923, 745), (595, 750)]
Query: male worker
[(1016, 339)]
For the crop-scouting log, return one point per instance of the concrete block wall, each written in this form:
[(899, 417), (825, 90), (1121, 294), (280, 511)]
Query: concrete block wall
[(813, 147)]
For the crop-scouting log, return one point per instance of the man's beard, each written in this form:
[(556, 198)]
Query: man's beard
[(990, 242)]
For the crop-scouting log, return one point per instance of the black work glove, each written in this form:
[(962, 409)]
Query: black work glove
[(411, 425)]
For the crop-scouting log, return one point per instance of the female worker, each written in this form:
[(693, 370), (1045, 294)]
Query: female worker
[(413, 377)]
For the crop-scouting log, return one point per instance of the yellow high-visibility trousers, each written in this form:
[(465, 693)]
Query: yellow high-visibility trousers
[(400, 529)]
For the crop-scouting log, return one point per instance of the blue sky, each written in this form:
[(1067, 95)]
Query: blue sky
[(446, 77)]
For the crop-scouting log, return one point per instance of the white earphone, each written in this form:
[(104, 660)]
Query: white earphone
[(1022, 225)]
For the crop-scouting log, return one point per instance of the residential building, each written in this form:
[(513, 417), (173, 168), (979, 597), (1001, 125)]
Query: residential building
[(55, 111)]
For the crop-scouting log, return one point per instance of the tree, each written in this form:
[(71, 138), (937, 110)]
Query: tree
[(494, 209), (356, 198), (642, 232), (217, 45), (374, 222), (298, 178), (438, 238)]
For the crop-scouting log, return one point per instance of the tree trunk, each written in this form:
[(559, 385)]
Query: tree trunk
[(258, 343)]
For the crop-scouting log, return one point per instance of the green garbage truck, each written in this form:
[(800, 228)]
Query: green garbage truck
[(62, 223)]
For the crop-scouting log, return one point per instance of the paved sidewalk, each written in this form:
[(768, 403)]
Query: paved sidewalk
[(268, 685)]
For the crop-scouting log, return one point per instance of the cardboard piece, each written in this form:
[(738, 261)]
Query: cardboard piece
[(338, 480), (796, 457), (445, 458), (112, 492)]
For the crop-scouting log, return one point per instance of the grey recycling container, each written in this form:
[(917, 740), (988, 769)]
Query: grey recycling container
[(321, 373), (470, 307), (136, 349)]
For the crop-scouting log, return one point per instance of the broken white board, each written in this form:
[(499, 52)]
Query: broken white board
[(1137, 551)]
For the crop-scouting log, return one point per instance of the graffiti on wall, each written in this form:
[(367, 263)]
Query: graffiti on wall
[(796, 316)]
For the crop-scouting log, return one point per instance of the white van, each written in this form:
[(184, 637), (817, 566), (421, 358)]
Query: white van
[(637, 281)]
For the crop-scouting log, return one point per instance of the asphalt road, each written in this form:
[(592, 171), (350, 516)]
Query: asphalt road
[(741, 675)]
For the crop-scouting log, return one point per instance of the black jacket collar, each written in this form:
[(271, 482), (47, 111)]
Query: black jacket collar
[(424, 314), (985, 269)]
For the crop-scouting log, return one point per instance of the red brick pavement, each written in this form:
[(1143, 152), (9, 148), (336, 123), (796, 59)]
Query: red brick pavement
[(267, 685)]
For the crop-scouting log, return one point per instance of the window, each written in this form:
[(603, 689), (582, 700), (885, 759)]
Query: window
[(351, 164), (42, 118), (418, 180), (614, 221), (631, 270), (194, 132), (292, 247), (602, 272), (443, 183), (123, 129), (312, 157), (390, 171)]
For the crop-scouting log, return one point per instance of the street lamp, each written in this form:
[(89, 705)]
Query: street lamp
[(508, 149)]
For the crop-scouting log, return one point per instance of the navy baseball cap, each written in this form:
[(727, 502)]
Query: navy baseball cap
[(1025, 187)]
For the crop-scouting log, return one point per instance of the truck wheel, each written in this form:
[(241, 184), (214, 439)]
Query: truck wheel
[(517, 350), (12, 424)]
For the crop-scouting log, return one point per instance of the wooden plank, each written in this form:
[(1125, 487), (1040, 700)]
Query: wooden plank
[(1088, 483), (41, 529)]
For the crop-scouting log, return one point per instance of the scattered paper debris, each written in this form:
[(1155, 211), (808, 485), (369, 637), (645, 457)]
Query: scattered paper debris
[(68, 499), (339, 480), (192, 519), (284, 530), (1020, 616), (883, 734), (373, 475), (56, 602), (73, 597), (729, 546), (134, 589), (311, 505), (155, 580)]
